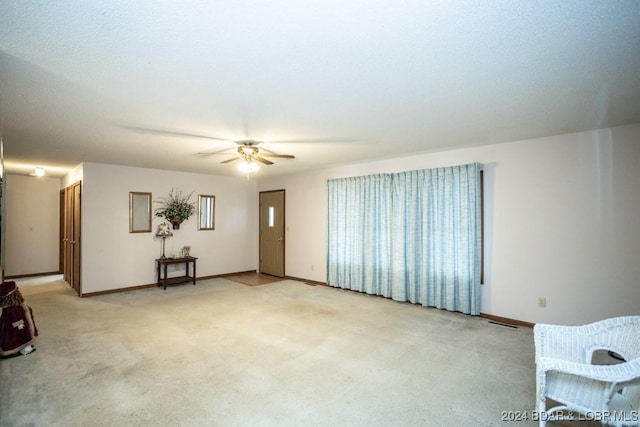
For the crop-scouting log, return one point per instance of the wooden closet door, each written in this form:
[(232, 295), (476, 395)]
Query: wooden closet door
[(75, 270), (72, 235), (68, 217), (61, 244)]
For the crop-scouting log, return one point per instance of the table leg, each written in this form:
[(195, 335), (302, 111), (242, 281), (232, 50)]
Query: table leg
[(165, 276)]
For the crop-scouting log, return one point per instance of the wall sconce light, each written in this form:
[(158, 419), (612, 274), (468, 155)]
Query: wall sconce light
[(38, 171)]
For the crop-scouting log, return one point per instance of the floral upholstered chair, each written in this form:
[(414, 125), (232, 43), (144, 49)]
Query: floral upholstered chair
[(17, 328), (565, 373)]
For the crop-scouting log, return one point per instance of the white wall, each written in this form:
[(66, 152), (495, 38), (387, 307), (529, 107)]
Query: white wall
[(72, 177), (33, 214), (113, 258), (561, 222)]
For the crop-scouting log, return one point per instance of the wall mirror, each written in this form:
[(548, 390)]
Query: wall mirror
[(207, 212), (139, 212)]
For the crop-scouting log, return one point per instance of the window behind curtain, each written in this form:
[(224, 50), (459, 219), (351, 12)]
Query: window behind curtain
[(411, 236)]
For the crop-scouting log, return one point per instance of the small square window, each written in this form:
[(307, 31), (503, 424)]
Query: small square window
[(272, 216)]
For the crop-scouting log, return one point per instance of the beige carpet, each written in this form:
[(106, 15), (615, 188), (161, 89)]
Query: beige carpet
[(282, 354)]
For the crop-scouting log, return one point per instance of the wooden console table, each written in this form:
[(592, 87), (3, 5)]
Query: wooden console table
[(161, 266)]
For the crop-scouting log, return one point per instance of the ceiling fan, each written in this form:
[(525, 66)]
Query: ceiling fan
[(247, 149), (249, 152)]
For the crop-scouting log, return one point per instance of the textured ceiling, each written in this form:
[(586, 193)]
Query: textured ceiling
[(348, 80)]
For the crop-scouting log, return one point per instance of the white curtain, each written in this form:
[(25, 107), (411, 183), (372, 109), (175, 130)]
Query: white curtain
[(358, 256), (411, 236)]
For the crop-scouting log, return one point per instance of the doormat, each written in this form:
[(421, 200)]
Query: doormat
[(253, 279)]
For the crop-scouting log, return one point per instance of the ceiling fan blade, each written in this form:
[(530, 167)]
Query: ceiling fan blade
[(274, 154), (230, 160), (267, 150), (174, 133), (261, 160), (212, 153), (303, 140), (281, 156)]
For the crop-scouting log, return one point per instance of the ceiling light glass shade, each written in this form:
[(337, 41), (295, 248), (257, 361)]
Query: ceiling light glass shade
[(248, 167), (39, 172), (248, 150)]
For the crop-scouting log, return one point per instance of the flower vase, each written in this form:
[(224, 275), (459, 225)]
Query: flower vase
[(175, 223)]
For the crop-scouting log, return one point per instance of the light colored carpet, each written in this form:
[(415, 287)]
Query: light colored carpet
[(282, 354)]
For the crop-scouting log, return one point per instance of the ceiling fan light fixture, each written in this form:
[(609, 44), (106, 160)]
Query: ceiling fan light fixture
[(248, 150), (247, 166)]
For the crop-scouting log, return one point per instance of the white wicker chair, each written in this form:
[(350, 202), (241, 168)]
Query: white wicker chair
[(565, 373)]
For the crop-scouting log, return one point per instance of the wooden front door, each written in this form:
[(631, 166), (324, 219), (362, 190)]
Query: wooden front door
[(272, 225)]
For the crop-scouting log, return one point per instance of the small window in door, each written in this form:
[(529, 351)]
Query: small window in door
[(272, 216)]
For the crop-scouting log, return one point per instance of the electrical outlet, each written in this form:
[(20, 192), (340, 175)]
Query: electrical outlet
[(311, 267), (542, 302)]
